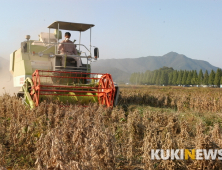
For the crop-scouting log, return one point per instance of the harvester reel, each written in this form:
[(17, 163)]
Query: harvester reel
[(107, 87), (27, 87), (31, 90), (42, 86)]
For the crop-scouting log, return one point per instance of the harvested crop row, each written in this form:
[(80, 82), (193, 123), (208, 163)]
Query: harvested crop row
[(76, 137), (178, 98)]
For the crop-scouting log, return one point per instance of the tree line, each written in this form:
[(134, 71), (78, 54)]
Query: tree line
[(169, 76)]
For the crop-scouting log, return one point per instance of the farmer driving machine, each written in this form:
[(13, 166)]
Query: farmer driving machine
[(43, 73)]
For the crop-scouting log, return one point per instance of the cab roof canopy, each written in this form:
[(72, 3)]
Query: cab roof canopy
[(70, 26)]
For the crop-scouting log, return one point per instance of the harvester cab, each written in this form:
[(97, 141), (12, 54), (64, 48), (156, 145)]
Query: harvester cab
[(44, 73)]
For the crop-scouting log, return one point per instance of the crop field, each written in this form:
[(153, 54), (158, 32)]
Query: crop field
[(52, 137)]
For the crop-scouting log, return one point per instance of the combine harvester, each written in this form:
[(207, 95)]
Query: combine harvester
[(45, 74)]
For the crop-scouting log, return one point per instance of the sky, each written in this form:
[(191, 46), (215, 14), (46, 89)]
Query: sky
[(123, 28)]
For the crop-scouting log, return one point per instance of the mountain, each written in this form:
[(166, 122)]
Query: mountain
[(124, 67), (117, 74)]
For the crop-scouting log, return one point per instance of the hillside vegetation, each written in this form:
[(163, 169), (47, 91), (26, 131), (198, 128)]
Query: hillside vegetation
[(53, 136), (169, 76), (127, 66)]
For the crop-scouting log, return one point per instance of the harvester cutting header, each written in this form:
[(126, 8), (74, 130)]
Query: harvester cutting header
[(50, 69)]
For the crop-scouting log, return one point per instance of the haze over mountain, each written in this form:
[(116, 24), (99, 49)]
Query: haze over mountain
[(122, 68)]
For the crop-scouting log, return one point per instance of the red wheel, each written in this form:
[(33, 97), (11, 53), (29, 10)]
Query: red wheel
[(106, 90)]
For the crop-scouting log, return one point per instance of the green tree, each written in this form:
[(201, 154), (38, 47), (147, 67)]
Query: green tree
[(170, 78), (211, 78), (184, 79), (194, 79), (200, 77), (132, 78), (221, 80), (206, 78), (190, 75), (150, 77), (158, 77), (217, 77), (137, 78), (175, 77), (179, 78), (164, 78), (147, 77), (141, 81), (154, 77)]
